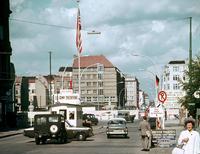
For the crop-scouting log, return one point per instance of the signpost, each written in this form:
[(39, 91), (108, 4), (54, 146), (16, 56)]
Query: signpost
[(162, 97)]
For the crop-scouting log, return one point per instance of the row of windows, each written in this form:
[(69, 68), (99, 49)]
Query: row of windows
[(100, 98), (175, 78), (90, 76), (176, 86)]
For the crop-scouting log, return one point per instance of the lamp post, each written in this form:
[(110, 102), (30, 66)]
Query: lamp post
[(119, 97), (153, 74)]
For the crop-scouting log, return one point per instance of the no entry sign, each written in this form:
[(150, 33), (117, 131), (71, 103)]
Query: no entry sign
[(162, 96)]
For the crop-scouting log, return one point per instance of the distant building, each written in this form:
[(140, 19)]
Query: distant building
[(173, 74), (21, 93), (132, 92), (102, 84)]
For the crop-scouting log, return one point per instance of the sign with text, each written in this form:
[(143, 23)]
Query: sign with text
[(156, 112), (164, 138)]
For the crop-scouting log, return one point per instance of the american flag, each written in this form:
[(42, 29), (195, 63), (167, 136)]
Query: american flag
[(78, 33)]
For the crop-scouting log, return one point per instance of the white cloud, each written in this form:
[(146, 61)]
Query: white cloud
[(156, 29)]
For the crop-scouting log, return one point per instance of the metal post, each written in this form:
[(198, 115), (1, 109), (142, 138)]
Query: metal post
[(190, 46), (50, 77)]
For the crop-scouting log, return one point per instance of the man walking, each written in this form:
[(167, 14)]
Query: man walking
[(145, 130)]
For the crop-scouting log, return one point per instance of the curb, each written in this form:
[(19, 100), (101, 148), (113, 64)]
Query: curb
[(8, 135)]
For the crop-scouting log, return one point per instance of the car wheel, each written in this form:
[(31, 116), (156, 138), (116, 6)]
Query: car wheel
[(125, 136), (81, 137), (37, 140), (43, 140), (108, 136)]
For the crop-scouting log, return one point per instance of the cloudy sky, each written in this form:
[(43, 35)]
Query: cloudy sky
[(156, 30)]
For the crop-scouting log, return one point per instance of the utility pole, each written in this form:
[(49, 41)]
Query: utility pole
[(50, 101), (190, 46)]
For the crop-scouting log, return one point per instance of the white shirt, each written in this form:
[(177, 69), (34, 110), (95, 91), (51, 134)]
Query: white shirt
[(193, 144)]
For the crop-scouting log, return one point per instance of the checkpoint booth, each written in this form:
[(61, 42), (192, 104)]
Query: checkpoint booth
[(71, 112)]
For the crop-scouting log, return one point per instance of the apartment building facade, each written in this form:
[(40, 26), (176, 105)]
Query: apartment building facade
[(173, 74), (132, 92), (101, 82)]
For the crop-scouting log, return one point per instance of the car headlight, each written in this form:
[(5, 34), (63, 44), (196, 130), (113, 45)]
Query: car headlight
[(53, 128)]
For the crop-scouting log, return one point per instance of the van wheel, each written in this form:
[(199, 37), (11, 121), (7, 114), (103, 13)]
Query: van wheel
[(37, 140), (108, 136), (43, 141), (81, 137)]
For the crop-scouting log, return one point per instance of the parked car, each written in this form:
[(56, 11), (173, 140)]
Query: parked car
[(116, 126), (89, 119), (126, 115), (79, 133), (49, 126)]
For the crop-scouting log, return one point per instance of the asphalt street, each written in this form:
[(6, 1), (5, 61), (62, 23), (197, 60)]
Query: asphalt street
[(98, 144)]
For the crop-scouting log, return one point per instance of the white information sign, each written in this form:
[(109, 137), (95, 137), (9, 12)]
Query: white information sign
[(156, 112)]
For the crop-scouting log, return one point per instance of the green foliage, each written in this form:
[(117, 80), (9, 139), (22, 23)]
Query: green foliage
[(191, 85)]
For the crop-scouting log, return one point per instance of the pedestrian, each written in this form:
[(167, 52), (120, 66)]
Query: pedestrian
[(189, 140), (145, 130)]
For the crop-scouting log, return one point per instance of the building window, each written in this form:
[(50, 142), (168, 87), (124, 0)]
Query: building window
[(89, 84), (176, 86), (106, 98), (175, 68), (94, 91), (176, 77), (100, 84), (100, 76), (88, 99), (94, 99), (89, 91), (168, 86), (112, 98), (100, 91), (94, 83)]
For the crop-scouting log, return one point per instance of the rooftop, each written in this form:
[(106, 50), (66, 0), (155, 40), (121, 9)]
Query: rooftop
[(177, 62), (90, 60)]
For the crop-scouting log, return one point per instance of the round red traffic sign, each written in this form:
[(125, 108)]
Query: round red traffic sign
[(162, 96)]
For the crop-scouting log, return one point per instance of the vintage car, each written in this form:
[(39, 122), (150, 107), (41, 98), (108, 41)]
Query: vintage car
[(79, 133), (49, 126), (117, 126), (89, 119)]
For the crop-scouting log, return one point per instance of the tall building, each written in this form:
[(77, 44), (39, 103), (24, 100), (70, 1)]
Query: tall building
[(132, 92), (173, 74), (7, 73), (102, 83)]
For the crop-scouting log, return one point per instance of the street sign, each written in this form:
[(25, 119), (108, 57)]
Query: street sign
[(162, 96), (156, 112), (164, 138)]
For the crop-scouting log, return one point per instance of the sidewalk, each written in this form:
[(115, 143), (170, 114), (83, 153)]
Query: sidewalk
[(7, 133)]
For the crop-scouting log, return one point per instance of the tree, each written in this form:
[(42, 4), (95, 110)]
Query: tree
[(190, 86)]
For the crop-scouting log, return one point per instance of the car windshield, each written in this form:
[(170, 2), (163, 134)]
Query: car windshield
[(116, 122)]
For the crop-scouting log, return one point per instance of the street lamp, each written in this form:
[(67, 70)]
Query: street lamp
[(119, 97), (153, 76)]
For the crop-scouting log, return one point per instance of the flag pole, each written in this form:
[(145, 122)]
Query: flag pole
[(79, 65)]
